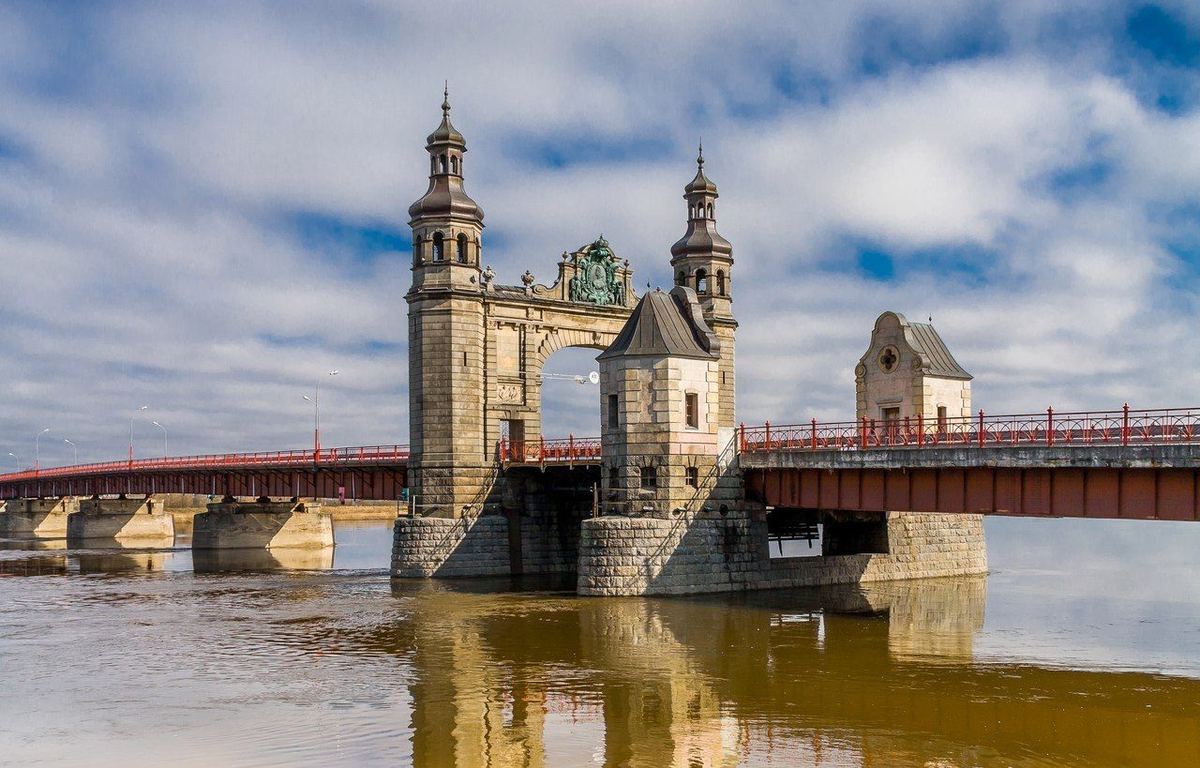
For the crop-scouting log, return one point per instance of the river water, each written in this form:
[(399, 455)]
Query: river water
[(1082, 647)]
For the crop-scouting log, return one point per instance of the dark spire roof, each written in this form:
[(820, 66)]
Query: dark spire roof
[(445, 133), (446, 196), (701, 182), (665, 324)]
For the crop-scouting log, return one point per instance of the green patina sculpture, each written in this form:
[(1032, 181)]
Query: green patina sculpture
[(595, 280)]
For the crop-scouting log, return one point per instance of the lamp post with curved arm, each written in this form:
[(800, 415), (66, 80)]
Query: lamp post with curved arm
[(164, 429), (16, 460), (37, 450), (135, 413), (317, 415), (74, 447)]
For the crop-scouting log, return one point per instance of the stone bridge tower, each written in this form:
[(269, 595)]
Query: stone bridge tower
[(703, 261), (445, 332)]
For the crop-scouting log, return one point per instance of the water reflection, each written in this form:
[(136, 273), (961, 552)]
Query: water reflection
[(251, 560), (840, 675), (254, 662)]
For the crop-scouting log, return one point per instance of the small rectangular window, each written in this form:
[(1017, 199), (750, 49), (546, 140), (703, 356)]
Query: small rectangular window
[(693, 477), (649, 477), (692, 409), (614, 412)]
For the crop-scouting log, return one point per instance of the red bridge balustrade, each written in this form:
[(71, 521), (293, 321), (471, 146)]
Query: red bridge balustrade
[(558, 452), (1123, 427), (371, 471)]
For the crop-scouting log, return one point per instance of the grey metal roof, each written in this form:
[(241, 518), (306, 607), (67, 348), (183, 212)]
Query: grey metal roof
[(926, 341), (665, 324)]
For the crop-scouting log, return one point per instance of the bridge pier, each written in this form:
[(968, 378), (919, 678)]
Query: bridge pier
[(262, 524), (530, 526), (120, 519), (37, 517), (690, 555)]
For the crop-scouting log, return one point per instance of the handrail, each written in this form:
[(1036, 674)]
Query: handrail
[(1051, 428), (570, 450), (1123, 427), (335, 456)]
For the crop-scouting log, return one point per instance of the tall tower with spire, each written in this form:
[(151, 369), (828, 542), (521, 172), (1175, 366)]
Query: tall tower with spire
[(446, 344), (703, 261)]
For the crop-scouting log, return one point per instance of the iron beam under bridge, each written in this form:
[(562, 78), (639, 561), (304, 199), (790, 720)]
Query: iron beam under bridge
[(362, 472)]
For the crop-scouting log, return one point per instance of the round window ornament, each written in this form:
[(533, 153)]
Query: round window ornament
[(889, 359)]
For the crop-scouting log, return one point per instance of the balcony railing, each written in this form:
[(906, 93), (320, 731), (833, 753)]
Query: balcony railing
[(541, 452)]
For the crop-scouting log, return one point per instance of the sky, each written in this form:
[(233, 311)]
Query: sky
[(203, 205)]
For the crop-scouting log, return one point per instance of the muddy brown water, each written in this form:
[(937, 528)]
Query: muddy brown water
[(1082, 647)]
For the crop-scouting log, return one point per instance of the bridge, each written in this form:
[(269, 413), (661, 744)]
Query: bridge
[(1137, 464), (364, 472)]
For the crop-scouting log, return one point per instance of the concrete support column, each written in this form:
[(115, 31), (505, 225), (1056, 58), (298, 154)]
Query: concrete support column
[(37, 517), (262, 524), (122, 519)]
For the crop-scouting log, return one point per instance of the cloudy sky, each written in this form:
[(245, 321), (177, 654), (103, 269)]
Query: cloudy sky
[(202, 205)]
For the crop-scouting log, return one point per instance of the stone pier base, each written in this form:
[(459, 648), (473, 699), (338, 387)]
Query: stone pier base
[(487, 545), (120, 519), (262, 525), (650, 556), (37, 517)]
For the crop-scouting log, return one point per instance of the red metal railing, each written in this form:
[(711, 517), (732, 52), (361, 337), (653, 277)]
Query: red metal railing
[(366, 454), (562, 451), (1123, 427)]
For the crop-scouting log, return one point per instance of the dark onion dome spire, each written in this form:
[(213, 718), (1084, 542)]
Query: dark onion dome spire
[(701, 237), (445, 196), (445, 133), (701, 182)]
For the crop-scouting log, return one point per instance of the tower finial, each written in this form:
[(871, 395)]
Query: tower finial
[(700, 156), (446, 100)]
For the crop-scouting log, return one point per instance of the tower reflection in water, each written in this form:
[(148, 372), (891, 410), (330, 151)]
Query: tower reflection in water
[(872, 675)]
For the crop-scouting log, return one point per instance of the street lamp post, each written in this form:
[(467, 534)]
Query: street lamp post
[(37, 449), (74, 447), (164, 429), (317, 415), (135, 413), (16, 460)]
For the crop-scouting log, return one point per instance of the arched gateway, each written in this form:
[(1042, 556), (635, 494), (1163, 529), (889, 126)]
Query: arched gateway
[(476, 348)]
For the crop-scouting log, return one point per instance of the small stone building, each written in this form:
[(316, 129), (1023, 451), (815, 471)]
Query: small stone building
[(908, 370), (659, 389)]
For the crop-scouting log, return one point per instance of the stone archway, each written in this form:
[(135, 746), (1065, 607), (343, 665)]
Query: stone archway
[(484, 350)]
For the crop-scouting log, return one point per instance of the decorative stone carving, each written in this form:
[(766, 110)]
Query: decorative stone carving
[(509, 393), (595, 280)]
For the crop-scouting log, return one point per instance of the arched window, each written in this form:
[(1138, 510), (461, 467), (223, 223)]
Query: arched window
[(701, 281), (453, 164), (462, 249), (710, 210), (442, 163), (720, 282), (432, 164), (691, 211), (439, 247), (682, 278), (418, 249)]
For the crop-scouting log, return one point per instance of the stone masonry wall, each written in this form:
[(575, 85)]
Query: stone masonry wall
[(645, 556), (481, 546)]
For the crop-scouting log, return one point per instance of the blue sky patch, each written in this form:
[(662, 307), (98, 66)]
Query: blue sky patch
[(335, 236)]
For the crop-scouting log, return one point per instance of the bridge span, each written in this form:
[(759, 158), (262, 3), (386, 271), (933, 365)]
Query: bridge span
[(1136, 464), (363, 472)]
